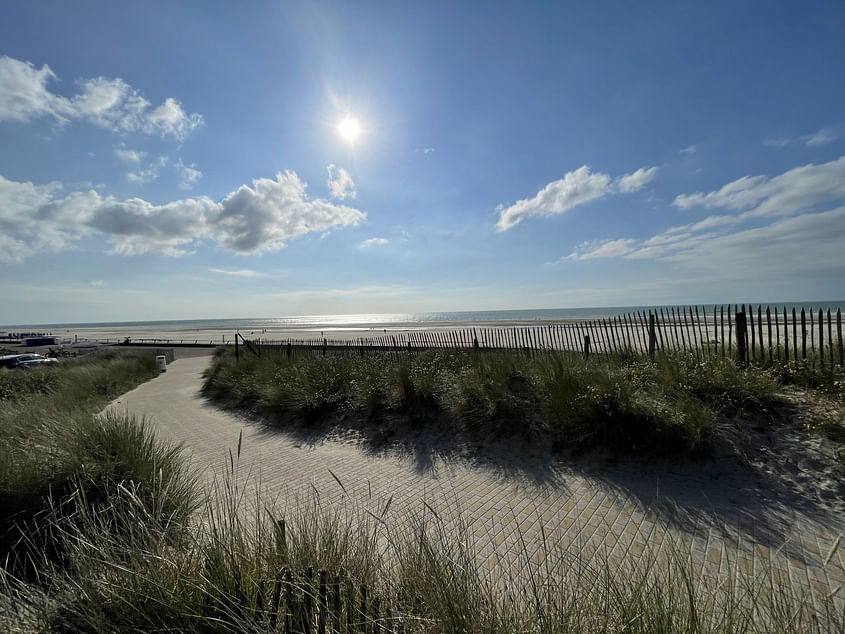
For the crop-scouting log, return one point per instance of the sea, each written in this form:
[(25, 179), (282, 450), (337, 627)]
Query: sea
[(403, 321)]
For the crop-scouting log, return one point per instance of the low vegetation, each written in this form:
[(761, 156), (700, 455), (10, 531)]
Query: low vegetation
[(235, 574), (675, 405), (60, 463), (105, 533)]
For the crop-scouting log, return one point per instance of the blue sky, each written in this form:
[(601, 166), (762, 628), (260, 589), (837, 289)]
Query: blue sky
[(167, 160)]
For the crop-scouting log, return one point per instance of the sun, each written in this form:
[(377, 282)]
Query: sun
[(349, 129)]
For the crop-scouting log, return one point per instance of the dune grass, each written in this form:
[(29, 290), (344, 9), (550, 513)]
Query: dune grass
[(630, 405), (126, 553), (425, 572), (58, 461)]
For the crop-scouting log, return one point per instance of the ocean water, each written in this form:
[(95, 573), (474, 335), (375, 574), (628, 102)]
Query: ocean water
[(405, 321)]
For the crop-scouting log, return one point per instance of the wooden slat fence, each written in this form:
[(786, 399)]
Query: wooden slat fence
[(758, 334), (767, 337), (317, 602)]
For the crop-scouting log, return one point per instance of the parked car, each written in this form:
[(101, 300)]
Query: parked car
[(9, 360), (25, 361)]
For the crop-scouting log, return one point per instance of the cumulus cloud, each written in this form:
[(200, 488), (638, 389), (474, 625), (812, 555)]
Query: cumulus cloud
[(341, 184), (110, 103), (253, 219), (373, 242), (794, 233), (188, 175), (577, 187)]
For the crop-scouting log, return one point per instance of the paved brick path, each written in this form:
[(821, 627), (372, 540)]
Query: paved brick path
[(608, 511)]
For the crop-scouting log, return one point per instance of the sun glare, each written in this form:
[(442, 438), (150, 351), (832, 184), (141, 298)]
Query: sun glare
[(349, 129)]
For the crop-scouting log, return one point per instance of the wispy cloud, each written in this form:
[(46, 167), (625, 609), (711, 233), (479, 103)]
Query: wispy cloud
[(96, 283), (130, 156), (341, 184), (776, 142), (577, 187), (236, 273), (822, 137), (109, 103), (188, 175), (373, 242), (690, 149), (361, 291), (149, 173), (785, 194), (795, 235), (252, 219)]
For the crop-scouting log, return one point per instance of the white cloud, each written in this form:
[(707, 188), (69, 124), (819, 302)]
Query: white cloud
[(810, 241), (188, 175), (110, 103), (96, 283), (822, 137), (249, 220), (24, 94), (149, 173), (604, 249), (170, 119), (636, 181), (12, 250), (785, 194), (577, 187), (690, 149), (373, 242), (130, 156), (236, 273), (429, 150), (341, 184), (776, 142)]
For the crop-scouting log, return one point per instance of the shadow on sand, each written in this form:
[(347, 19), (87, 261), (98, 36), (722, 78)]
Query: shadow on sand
[(759, 487)]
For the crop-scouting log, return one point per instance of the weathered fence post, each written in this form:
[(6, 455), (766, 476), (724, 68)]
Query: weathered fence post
[(803, 335), (741, 333), (308, 600), (753, 336), (830, 338), (652, 336), (323, 604), (237, 352), (586, 345), (821, 339), (769, 332), (281, 543)]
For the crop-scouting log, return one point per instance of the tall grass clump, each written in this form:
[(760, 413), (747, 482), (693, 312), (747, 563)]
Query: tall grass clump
[(672, 405), (60, 463), (238, 574)]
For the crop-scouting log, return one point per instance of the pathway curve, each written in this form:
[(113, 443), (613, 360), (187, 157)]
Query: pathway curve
[(729, 523)]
